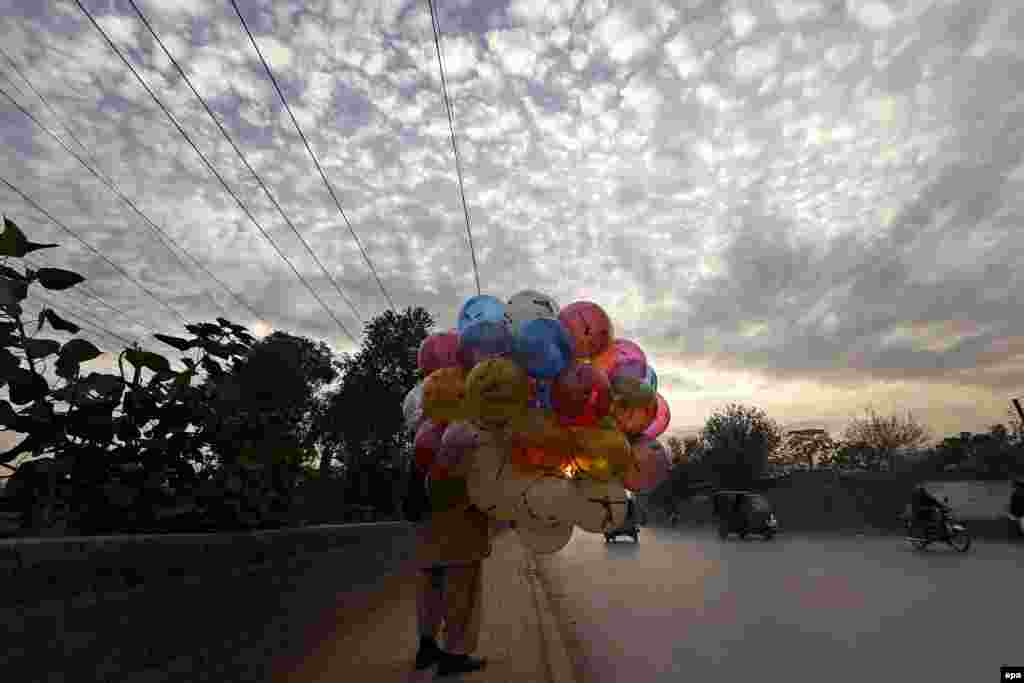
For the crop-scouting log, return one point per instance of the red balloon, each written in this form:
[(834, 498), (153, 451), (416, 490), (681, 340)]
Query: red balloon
[(650, 465), (660, 423), (438, 351), (581, 395), (589, 326), (428, 443)]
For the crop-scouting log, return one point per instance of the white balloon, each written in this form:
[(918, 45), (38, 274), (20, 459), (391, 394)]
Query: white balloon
[(529, 305), (545, 538), (412, 407), (494, 485), (549, 499)]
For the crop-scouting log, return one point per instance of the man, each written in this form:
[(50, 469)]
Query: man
[(452, 545), (1017, 506), (926, 508)]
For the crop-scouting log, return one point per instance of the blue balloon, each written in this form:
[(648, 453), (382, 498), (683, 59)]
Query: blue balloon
[(480, 308), (484, 339), (543, 347), (652, 378)]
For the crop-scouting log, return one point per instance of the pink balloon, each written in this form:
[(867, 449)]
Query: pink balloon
[(428, 443), (460, 439), (650, 467), (630, 360), (438, 351), (660, 423)]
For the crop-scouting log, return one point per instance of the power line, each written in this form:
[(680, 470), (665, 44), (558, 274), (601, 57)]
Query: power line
[(451, 126), (91, 248), (309, 149), (245, 161), (114, 188), (46, 103), (210, 167), (79, 320)]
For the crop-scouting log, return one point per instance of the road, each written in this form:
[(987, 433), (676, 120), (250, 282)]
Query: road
[(681, 605)]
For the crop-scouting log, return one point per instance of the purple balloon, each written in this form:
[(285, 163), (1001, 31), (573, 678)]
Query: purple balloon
[(630, 360), (483, 340), (651, 466), (460, 439)]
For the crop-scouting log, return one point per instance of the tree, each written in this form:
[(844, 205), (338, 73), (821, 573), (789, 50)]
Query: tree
[(738, 442), (676, 449), (886, 434), (809, 446), (374, 382)]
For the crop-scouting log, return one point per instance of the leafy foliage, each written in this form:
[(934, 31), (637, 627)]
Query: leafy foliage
[(737, 443), (152, 448), (885, 434)]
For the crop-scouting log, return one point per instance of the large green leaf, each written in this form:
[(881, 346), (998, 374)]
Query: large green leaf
[(25, 386), (14, 243), (10, 273), (73, 354), (176, 342), (41, 348), (103, 384), (58, 278), (79, 351), (56, 322), (8, 418), (147, 359)]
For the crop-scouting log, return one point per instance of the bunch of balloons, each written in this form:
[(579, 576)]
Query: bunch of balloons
[(537, 415)]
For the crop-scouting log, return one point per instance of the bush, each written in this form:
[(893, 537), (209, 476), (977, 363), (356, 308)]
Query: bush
[(140, 451)]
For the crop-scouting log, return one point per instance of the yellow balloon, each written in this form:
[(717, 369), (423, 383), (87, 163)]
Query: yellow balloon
[(609, 445), (497, 392), (444, 395)]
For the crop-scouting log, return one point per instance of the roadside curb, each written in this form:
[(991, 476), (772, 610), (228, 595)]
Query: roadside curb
[(553, 649)]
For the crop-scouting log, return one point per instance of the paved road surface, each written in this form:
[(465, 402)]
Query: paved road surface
[(683, 606)]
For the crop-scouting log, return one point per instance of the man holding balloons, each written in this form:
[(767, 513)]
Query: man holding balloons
[(533, 415)]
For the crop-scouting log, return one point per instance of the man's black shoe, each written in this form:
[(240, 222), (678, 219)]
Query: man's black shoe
[(429, 654), (459, 664)]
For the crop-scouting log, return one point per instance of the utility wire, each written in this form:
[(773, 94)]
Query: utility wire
[(80, 320), (309, 149), (245, 161), (91, 248), (451, 127), (48, 106), (212, 170), (113, 188)]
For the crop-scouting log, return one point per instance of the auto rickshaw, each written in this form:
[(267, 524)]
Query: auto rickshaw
[(743, 513)]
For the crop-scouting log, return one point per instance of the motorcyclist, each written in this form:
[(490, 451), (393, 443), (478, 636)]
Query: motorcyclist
[(1017, 505), (927, 509)]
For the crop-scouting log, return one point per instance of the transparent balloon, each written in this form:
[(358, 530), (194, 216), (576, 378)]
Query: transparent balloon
[(412, 407), (530, 305), (545, 539)]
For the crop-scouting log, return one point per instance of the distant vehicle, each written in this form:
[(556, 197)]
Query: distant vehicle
[(635, 517), (744, 513), (948, 530)]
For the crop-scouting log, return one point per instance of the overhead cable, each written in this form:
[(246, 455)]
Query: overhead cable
[(309, 149)]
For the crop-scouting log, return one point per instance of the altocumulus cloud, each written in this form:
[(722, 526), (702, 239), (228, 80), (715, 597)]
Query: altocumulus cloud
[(809, 206)]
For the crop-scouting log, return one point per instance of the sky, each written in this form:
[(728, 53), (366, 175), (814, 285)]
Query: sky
[(809, 207)]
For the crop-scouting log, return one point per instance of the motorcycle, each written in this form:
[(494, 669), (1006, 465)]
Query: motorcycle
[(948, 530)]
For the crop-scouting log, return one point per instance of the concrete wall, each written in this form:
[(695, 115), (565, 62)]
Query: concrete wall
[(197, 607)]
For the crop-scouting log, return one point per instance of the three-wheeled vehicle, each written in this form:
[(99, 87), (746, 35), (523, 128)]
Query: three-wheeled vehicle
[(743, 513), (635, 518)]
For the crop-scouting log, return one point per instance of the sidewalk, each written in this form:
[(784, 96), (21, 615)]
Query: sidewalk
[(371, 635)]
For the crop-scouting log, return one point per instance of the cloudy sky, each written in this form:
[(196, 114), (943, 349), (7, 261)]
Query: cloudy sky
[(806, 206)]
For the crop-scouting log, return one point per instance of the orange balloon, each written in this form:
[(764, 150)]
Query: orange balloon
[(444, 395), (605, 360)]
